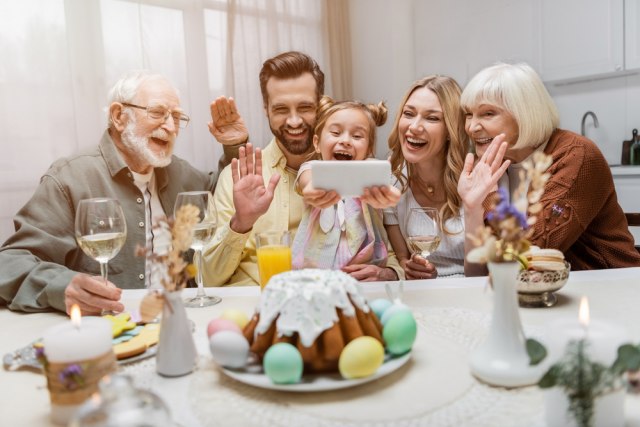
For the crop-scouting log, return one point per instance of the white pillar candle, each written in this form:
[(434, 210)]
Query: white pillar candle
[(603, 337), (603, 340), (74, 342)]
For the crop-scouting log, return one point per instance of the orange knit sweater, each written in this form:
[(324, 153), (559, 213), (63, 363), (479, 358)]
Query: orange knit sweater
[(581, 215)]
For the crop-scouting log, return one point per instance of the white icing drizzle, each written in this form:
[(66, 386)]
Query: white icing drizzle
[(306, 302)]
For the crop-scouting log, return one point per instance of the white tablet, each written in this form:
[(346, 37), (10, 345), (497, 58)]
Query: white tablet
[(350, 177)]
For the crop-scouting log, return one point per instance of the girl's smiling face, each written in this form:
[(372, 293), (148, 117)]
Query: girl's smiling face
[(345, 136)]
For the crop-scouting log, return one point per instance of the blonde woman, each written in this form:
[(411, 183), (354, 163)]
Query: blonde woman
[(428, 144)]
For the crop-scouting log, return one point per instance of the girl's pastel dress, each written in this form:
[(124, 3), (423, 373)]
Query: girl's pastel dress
[(349, 232)]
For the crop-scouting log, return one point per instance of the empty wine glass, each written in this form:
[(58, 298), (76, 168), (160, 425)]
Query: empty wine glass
[(202, 234), (423, 231), (101, 231)]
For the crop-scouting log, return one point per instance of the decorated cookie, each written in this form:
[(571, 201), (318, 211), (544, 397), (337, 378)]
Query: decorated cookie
[(119, 323), (127, 335), (147, 337)]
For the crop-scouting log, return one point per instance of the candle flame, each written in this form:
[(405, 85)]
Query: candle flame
[(583, 313), (75, 315)]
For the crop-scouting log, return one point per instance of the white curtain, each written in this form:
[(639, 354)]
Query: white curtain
[(59, 58)]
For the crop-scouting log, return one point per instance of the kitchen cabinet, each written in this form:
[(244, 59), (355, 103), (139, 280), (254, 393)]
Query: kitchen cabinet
[(581, 38), (632, 34)]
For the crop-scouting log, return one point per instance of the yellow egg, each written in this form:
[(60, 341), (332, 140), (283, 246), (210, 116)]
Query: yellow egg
[(238, 317), (361, 357)]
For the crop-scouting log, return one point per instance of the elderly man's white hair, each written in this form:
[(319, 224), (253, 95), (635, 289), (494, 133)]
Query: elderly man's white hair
[(125, 89)]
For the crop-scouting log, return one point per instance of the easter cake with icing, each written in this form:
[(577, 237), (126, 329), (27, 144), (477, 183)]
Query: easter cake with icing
[(317, 311)]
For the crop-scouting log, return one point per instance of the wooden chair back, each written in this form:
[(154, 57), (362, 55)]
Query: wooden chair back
[(633, 219)]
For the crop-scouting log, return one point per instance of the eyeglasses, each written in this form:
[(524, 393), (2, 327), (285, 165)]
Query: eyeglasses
[(181, 120)]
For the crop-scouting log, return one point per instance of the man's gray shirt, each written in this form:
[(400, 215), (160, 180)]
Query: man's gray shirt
[(39, 260)]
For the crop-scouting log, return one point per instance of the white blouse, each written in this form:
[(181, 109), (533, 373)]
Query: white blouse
[(449, 257)]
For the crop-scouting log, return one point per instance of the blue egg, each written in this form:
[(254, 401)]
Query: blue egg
[(395, 308), (379, 306), (400, 333), (283, 364)]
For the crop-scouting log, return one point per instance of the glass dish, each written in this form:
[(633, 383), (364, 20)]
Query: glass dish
[(536, 288)]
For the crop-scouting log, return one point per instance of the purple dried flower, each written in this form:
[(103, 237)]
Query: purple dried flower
[(504, 210), (40, 352), (71, 376)]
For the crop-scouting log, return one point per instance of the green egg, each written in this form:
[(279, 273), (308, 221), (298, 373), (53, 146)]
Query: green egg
[(283, 364), (400, 332), (392, 311)]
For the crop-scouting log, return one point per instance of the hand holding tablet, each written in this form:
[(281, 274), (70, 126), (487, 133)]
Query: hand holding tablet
[(350, 178)]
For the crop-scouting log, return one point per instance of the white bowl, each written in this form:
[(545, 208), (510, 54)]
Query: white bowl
[(536, 288)]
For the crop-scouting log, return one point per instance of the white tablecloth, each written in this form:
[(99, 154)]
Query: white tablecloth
[(435, 388)]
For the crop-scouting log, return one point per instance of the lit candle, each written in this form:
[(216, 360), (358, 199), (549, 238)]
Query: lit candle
[(75, 343), (603, 340)]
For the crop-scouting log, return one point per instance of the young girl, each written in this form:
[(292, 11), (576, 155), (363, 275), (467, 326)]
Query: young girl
[(347, 233)]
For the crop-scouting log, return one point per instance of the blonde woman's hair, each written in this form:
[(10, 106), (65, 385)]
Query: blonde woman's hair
[(376, 115), (447, 91), (517, 89)]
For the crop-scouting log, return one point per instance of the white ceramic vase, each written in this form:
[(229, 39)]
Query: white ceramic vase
[(177, 354), (608, 410), (502, 359)]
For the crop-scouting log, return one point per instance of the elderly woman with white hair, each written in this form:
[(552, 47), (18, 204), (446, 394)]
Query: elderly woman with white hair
[(509, 114)]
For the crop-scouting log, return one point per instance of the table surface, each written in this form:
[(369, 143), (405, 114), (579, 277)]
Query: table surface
[(434, 388)]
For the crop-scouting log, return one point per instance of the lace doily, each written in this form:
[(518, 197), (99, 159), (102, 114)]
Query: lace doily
[(434, 389)]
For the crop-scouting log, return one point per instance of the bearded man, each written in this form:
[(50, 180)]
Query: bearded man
[(255, 195), (42, 265)]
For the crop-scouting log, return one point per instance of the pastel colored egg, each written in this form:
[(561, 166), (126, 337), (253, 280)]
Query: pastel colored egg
[(283, 364), (229, 349), (395, 308), (400, 332), (361, 357), (379, 306), (238, 317), (220, 324)]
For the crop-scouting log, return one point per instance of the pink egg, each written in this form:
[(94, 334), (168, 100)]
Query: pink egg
[(220, 324)]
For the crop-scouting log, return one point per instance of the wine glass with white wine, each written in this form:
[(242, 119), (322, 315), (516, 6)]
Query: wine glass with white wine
[(423, 231), (203, 231), (101, 231)]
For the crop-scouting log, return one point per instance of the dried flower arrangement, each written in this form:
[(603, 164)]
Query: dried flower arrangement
[(170, 268), (505, 237), (174, 271)]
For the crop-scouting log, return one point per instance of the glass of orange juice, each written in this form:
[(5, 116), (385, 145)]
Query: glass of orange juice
[(274, 254)]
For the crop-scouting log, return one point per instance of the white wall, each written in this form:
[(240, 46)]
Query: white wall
[(383, 57), (396, 42)]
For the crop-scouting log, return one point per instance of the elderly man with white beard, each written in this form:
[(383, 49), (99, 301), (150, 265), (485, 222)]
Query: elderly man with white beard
[(42, 266)]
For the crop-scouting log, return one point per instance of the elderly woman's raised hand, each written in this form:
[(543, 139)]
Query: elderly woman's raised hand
[(227, 125), (477, 181)]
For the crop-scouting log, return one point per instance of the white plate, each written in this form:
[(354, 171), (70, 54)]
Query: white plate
[(253, 375)]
